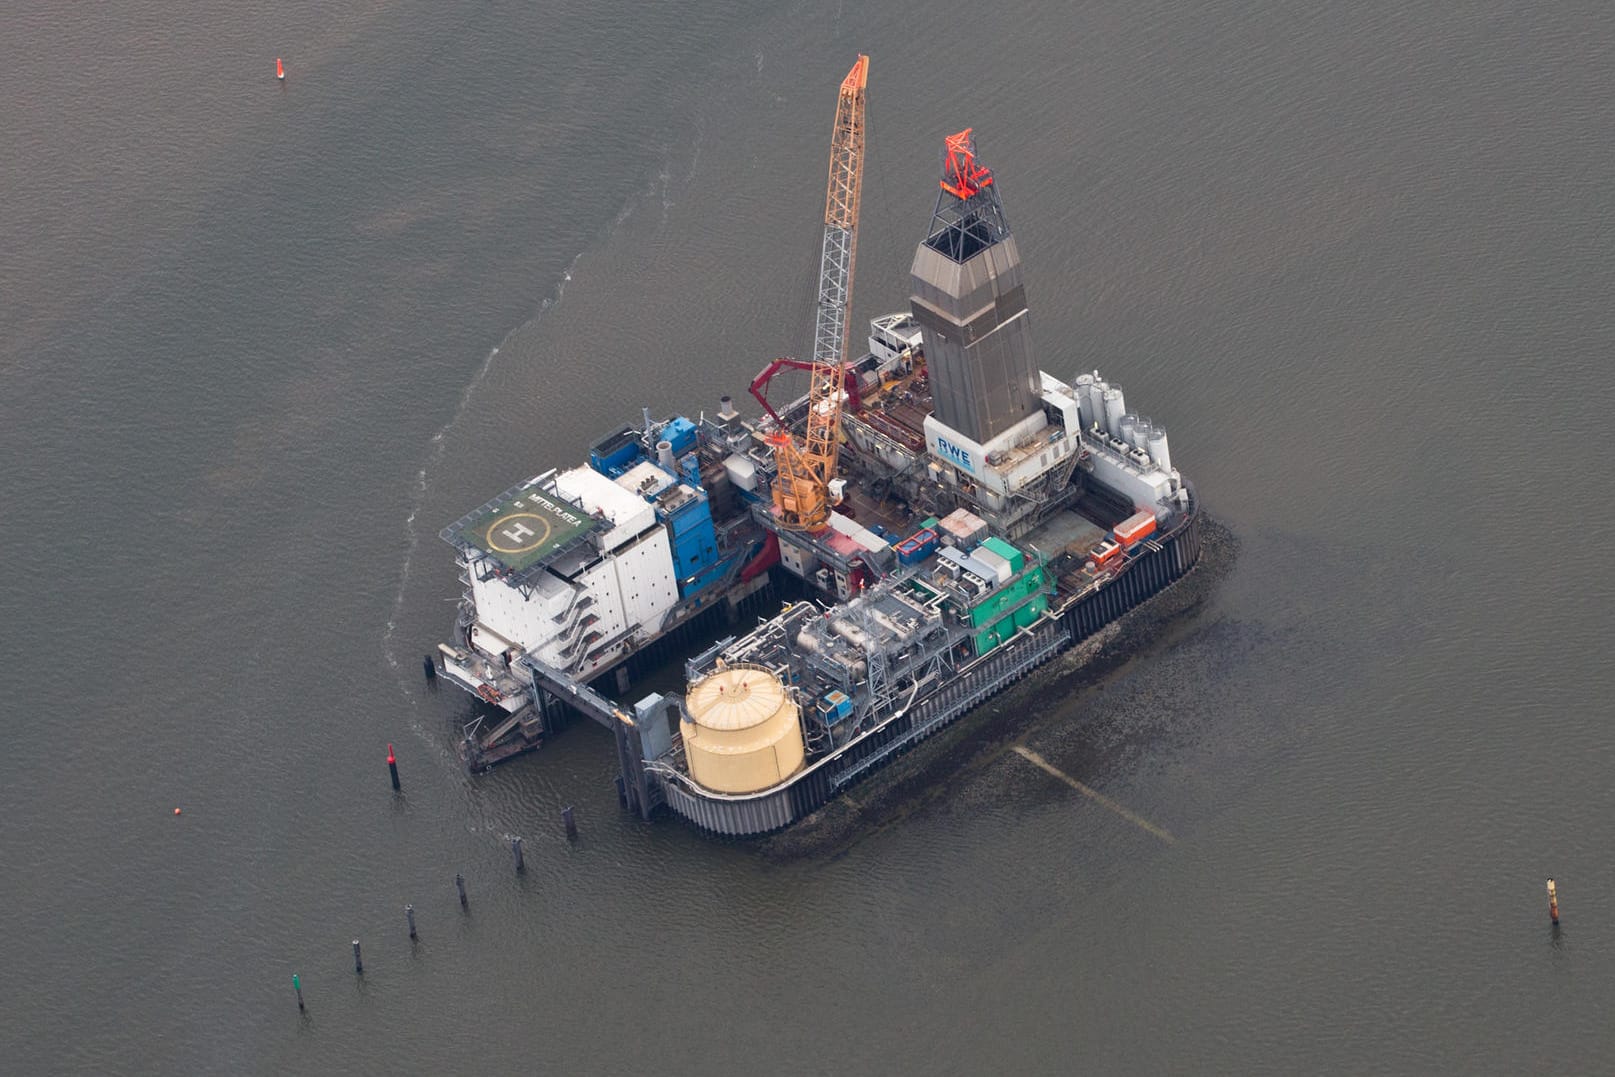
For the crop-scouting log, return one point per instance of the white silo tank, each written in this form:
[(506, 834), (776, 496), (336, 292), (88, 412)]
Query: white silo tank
[(1158, 450), (1096, 400), (1081, 387), (1141, 433), (1115, 408), (1124, 429)]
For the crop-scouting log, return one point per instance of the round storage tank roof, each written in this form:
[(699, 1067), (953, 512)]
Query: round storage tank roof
[(735, 698)]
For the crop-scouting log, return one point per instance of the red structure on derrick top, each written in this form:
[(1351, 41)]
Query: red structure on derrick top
[(961, 175)]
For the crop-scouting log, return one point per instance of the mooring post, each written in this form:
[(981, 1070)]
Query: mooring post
[(297, 985), (571, 823), (1553, 901), (392, 767), (430, 667), (459, 884), (516, 852), (358, 962), (409, 915)]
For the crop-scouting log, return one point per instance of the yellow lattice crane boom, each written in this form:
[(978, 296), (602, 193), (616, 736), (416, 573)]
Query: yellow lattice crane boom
[(802, 488)]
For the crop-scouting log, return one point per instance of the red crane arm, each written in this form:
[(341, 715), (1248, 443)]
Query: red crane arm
[(759, 384)]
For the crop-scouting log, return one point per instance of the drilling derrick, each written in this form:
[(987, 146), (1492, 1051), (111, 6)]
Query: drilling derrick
[(806, 466)]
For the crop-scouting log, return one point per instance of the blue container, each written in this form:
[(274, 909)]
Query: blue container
[(681, 433), (917, 547), (695, 545), (834, 706), (616, 452)]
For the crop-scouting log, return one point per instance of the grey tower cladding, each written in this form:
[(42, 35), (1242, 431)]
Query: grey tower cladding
[(971, 305)]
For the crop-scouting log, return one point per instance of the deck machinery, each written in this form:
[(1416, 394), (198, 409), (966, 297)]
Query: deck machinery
[(987, 515)]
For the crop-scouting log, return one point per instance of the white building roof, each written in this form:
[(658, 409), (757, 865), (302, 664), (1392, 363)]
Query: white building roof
[(628, 512)]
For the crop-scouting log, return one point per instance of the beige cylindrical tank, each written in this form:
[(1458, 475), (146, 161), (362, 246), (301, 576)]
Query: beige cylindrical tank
[(741, 731)]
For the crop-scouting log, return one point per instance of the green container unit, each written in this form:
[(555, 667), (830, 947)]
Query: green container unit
[(988, 641), (1003, 630), (1010, 594), (996, 616)]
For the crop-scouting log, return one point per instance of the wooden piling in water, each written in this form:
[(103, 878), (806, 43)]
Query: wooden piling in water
[(1553, 902)]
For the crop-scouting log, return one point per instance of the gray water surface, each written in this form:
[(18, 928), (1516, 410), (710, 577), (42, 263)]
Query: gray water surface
[(258, 343)]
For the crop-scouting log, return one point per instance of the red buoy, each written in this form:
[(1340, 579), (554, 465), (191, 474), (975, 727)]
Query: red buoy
[(280, 71)]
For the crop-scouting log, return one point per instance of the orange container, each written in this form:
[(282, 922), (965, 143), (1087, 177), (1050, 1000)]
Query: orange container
[(1140, 525), (1106, 552)]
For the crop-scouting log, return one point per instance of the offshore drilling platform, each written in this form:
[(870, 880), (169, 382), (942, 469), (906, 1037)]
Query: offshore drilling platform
[(953, 515)]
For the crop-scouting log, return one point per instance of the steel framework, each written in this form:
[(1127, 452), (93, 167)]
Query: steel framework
[(969, 214)]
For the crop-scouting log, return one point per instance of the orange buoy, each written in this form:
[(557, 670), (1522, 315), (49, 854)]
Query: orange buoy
[(176, 811), (280, 71)]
